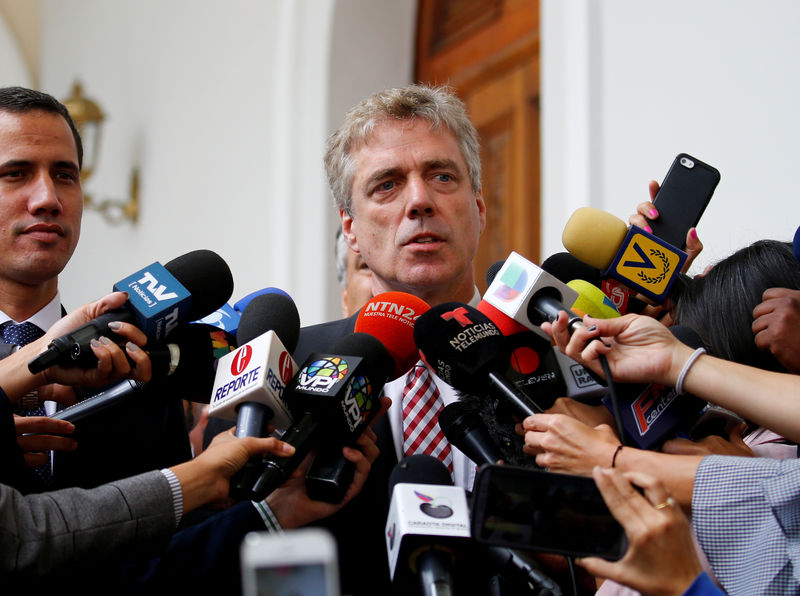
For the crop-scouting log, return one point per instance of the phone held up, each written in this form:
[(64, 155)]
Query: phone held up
[(682, 198), (532, 509), (298, 562)]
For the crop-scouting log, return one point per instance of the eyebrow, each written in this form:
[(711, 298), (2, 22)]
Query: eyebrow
[(24, 163)]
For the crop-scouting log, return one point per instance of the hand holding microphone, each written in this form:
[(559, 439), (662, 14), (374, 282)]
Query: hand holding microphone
[(159, 298)]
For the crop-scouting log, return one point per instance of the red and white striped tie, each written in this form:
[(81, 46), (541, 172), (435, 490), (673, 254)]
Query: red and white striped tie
[(421, 407)]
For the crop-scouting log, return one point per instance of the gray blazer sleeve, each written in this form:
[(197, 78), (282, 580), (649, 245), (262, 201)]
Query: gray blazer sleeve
[(40, 533)]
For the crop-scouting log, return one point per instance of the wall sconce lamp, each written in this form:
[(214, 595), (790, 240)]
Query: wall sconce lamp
[(88, 118)]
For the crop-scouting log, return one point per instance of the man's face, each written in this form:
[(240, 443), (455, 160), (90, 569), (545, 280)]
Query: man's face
[(416, 220), (359, 284), (40, 196)]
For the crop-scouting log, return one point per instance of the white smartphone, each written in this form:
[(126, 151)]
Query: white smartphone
[(300, 562)]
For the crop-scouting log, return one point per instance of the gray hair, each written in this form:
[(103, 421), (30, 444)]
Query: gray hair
[(437, 105), (341, 258)]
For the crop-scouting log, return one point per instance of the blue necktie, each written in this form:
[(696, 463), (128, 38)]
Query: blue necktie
[(20, 335)]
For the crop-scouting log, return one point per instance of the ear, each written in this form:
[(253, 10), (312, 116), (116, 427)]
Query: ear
[(347, 230), (481, 210)]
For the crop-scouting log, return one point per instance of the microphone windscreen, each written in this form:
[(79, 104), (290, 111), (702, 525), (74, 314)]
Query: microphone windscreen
[(242, 303), (592, 301), (371, 349), (594, 236), (460, 343), (566, 267), (206, 276), (270, 312), (491, 273), (419, 469), (390, 317), (199, 345)]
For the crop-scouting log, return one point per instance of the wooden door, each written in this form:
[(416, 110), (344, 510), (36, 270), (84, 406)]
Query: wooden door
[(488, 51)]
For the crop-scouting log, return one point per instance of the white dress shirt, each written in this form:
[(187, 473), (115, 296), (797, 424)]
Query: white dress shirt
[(464, 469)]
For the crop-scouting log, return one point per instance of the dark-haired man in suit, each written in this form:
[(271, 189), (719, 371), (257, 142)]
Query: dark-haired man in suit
[(41, 204)]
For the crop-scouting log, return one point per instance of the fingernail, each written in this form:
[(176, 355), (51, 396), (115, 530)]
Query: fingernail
[(114, 325), (94, 343), (105, 341), (131, 347), (287, 448), (592, 328), (653, 213), (648, 229), (693, 233)]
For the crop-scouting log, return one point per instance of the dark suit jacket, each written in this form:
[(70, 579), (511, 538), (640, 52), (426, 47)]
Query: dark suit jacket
[(145, 433)]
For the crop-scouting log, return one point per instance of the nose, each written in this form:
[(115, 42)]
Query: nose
[(44, 196), (420, 199)]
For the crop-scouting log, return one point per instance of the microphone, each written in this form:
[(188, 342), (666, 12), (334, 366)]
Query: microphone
[(389, 317), (539, 371), (463, 427), (160, 297), (334, 397), (592, 301), (566, 267), (653, 413), (227, 317), (427, 525), (466, 349), (632, 256), (182, 369), (530, 295), (250, 383)]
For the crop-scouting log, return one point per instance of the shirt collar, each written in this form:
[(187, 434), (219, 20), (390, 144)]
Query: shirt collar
[(43, 319)]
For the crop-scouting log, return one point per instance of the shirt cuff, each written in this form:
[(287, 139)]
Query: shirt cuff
[(177, 494), (270, 521)]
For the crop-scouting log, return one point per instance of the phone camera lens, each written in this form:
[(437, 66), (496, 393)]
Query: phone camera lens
[(686, 162)]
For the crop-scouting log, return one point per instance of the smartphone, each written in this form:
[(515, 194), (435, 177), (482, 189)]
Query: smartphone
[(300, 562), (532, 509), (682, 198), (714, 420)]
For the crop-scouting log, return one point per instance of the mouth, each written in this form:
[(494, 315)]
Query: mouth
[(424, 239), (46, 232)]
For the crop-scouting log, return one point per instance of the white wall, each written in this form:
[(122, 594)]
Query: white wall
[(716, 79), (12, 67), (225, 107)]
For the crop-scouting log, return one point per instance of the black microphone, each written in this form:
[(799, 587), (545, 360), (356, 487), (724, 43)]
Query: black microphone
[(160, 297), (427, 526), (333, 397), (182, 369), (466, 349), (463, 427), (517, 570), (390, 317)]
